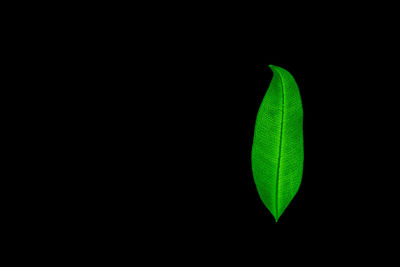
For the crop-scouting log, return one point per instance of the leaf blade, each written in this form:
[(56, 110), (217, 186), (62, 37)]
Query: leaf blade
[(277, 152)]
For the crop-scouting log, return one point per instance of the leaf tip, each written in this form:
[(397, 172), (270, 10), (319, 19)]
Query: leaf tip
[(272, 67), (276, 69)]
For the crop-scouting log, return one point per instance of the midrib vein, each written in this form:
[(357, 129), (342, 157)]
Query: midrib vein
[(280, 148)]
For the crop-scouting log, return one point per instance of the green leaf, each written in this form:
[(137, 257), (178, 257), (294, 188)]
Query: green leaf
[(277, 154)]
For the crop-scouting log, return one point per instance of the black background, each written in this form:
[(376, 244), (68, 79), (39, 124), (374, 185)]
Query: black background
[(156, 128), (135, 131)]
